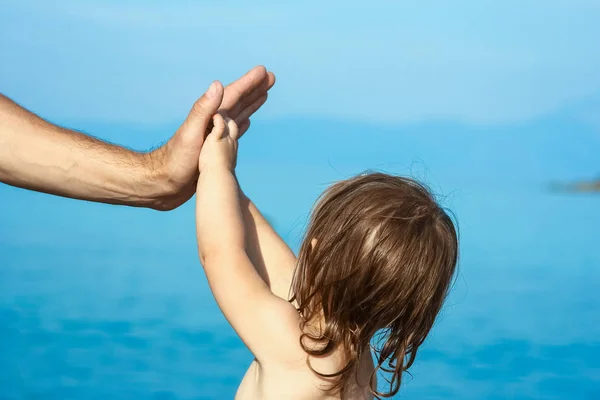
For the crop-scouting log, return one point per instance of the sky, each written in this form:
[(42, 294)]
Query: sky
[(144, 62)]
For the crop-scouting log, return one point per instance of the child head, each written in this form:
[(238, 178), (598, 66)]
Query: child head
[(378, 259)]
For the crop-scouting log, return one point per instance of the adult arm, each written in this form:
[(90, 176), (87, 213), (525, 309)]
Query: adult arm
[(37, 155)]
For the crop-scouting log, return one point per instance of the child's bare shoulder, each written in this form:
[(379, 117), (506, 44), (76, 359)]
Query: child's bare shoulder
[(283, 321)]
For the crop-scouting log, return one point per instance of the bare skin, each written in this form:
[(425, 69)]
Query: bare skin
[(249, 269), (37, 155)]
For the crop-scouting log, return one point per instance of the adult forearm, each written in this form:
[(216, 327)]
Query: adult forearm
[(37, 155)]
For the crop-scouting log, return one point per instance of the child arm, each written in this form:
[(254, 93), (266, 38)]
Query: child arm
[(266, 323), (272, 257)]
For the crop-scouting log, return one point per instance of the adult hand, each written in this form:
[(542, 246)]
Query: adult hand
[(177, 160), (38, 155)]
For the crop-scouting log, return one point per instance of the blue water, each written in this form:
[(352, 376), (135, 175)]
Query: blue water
[(104, 302)]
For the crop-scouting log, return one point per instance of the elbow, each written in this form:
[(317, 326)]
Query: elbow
[(205, 255), (219, 254), (202, 257), (210, 253)]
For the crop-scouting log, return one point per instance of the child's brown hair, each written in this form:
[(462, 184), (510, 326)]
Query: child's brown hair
[(378, 259)]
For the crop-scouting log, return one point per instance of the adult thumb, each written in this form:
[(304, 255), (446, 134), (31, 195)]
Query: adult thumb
[(204, 109)]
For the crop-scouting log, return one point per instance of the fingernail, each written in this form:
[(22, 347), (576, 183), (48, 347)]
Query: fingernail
[(212, 90)]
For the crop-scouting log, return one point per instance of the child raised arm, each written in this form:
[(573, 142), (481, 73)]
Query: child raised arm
[(271, 256), (268, 325), (376, 263)]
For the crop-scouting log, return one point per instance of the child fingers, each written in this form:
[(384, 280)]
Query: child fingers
[(219, 127), (232, 128)]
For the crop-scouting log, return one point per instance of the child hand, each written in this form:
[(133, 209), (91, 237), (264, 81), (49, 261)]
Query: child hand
[(221, 145)]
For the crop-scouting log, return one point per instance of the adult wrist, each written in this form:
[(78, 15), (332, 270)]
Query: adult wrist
[(155, 189)]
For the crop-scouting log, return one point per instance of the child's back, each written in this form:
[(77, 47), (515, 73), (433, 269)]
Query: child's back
[(299, 382), (374, 269)]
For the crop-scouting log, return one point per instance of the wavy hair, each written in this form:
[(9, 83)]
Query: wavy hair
[(377, 261)]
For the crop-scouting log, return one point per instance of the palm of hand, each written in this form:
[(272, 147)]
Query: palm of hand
[(179, 158)]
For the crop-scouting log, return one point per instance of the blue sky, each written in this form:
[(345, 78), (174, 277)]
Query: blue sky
[(480, 62)]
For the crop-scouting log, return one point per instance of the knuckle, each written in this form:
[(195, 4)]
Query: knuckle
[(198, 108)]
